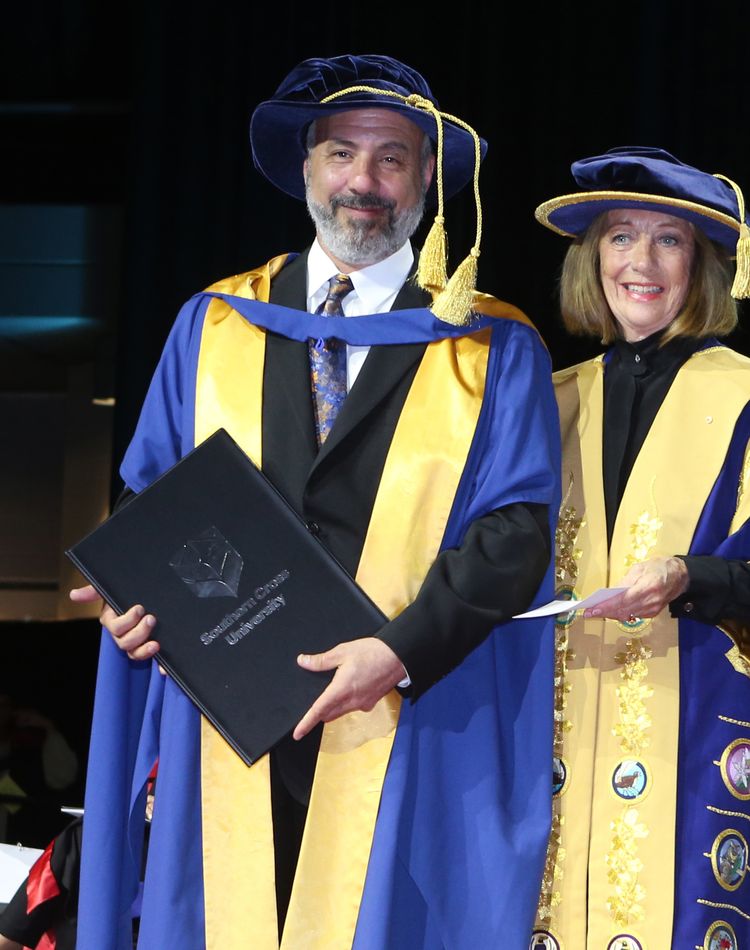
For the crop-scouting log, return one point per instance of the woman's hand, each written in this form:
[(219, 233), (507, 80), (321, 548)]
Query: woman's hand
[(651, 585)]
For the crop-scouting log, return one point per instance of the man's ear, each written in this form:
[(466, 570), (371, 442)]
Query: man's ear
[(429, 171)]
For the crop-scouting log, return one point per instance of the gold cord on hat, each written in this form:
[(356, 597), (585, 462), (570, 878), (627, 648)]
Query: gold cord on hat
[(452, 300), (432, 272), (741, 286), (458, 296)]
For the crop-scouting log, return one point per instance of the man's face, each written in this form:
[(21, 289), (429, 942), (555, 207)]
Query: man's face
[(366, 179)]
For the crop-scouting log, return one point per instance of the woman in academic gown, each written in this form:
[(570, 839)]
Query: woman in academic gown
[(652, 736)]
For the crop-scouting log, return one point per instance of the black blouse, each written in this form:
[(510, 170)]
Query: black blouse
[(636, 381)]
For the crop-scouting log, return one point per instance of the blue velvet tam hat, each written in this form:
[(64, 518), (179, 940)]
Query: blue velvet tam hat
[(278, 127), (651, 179)]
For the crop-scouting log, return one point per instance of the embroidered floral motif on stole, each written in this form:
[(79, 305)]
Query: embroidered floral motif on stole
[(624, 865), (623, 862), (567, 556), (632, 695), (643, 534)]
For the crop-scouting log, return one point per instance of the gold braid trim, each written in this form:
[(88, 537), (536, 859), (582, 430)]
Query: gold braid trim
[(723, 907), (744, 479), (729, 814), (735, 722)]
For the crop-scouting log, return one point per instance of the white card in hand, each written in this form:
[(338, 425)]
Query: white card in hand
[(565, 606)]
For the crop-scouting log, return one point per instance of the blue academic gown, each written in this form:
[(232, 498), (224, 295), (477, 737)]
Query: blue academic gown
[(460, 840)]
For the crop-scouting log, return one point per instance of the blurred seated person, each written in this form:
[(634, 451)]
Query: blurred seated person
[(43, 912), (36, 761)]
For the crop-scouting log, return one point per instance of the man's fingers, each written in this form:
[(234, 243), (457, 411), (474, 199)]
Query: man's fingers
[(132, 631), (318, 712), (145, 652), (84, 595), (137, 643), (366, 670), (318, 662), (306, 723), (121, 624)]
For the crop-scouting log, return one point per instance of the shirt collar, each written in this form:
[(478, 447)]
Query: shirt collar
[(373, 284), (651, 356)]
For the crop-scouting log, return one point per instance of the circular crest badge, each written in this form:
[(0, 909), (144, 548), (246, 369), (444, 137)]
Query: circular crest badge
[(720, 936), (559, 775), (636, 627), (624, 942), (630, 779), (735, 768), (729, 859), (544, 940), (566, 593)]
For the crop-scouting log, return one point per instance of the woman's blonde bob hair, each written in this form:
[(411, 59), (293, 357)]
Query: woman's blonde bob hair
[(709, 309)]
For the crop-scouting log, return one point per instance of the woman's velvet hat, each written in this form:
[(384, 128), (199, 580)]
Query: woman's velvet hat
[(649, 179), (278, 127)]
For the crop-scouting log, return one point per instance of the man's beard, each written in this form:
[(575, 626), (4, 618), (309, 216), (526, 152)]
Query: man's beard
[(363, 242)]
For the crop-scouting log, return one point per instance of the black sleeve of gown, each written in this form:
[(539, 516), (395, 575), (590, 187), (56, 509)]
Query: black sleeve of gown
[(718, 589), (57, 913), (28, 929), (469, 590), (124, 498)]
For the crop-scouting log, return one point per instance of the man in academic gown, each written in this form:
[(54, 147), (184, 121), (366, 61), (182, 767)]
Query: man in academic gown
[(426, 821)]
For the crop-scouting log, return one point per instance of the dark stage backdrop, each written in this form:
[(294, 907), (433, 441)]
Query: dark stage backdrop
[(159, 100), (147, 108)]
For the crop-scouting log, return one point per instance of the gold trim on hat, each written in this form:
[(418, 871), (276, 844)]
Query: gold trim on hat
[(544, 210)]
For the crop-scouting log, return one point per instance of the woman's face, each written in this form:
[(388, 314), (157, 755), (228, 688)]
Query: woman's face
[(645, 261)]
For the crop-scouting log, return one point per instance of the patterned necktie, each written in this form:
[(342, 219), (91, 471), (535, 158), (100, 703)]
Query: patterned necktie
[(328, 362)]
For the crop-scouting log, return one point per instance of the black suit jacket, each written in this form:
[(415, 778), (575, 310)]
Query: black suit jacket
[(500, 564)]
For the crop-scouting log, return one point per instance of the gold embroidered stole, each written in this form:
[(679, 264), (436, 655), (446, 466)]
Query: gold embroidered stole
[(422, 471), (610, 870)]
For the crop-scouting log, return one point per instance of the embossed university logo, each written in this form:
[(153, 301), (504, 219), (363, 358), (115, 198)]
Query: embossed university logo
[(208, 565)]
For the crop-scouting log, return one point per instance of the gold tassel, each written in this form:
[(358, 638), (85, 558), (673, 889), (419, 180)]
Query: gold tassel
[(741, 285), (432, 272), (455, 303)]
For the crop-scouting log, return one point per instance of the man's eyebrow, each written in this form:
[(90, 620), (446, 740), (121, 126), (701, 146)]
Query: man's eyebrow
[(390, 146)]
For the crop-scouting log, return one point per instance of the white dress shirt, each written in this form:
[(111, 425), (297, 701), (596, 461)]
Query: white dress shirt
[(375, 289)]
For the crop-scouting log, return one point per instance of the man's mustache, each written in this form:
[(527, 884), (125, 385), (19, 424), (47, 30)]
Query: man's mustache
[(361, 202)]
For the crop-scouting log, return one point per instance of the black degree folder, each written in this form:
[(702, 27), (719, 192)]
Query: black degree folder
[(239, 588)]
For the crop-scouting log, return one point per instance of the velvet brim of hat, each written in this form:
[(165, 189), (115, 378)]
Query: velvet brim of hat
[(278, 131), (571, 215)]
